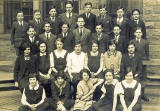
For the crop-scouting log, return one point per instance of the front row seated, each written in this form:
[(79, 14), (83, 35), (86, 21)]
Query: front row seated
[(117, 96)]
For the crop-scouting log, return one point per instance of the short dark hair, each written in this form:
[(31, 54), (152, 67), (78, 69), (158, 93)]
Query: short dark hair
[(120, 8), (131, 43), (60, 74), (111, 42), (100, 23), (116, 26), (109, 70), (136, 10), (86, 71), (36, 11), (32, 75), (69, 2), (52, 7), (102, 6), (65, 24), (59, 39), (88, 3), (94, 42), (137, 28), (19, 11)]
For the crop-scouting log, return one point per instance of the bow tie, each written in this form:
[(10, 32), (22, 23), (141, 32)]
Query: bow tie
[(42, 54)]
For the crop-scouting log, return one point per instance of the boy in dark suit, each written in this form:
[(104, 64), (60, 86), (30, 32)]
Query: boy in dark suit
[(101, 37), (48, 37), (69, 16), (82, 34), (121, 21), (54, 21), (24, 65), (136, 22), (119, 39), (18, 32), (37, 22), (104, 19), (67, 38), (32, 41), (142, 48), (89, 18)]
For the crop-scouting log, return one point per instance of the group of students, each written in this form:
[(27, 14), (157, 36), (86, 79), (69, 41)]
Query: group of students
[(80, 63)]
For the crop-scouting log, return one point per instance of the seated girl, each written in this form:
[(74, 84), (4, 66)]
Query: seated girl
[(61, 93), (130, 92), (106, 102), (85, 89)]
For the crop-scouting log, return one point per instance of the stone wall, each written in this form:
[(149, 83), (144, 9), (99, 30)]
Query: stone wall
[(151, 16)]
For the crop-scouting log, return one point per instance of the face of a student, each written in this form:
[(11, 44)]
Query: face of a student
[(102, 11), (88, 8), (77, 48), (80, 22), (112, 47), (53, 12), (59, 45), (109, 76), (31, 32), (85, 76), (116, 30), (131, 49), (33, 81), (135, 15), (20, 16), (120, 13), (94, 47), (60, 80), (37, 15), (42, 48), (64, 28), (69, 8), (99, 29), (138, 33), (47, 28), (129, 76), (27, 51)]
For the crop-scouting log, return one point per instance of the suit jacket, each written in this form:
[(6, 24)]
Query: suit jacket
[(84, 39), (22, 69), (50, 43), (55, 25), (131, 28), (123, 25), (33, 45), (37, 26), (18, 33), (142, 48), (103, 42), (135, 63), (90, 23), (106, 23), (68, 41), (71, 21), (121, 44)]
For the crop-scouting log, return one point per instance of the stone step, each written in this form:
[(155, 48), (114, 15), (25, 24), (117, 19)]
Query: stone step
[(154, 47), (154, 54), (152, 62)]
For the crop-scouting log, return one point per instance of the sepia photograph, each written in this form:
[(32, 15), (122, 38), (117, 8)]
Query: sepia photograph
[(79, 55)]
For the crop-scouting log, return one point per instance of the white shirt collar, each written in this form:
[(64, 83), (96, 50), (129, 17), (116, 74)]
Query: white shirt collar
[(49, 34), (42, 54), (35, 88), (69, 14), (32, 38), (20, 22), (120, 19)]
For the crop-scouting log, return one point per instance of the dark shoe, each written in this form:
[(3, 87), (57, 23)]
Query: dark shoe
[(145, 98)]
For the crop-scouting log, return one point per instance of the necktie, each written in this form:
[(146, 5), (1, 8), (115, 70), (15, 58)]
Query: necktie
[(69, 15), (47, 36), (80, 32), (99, 37)]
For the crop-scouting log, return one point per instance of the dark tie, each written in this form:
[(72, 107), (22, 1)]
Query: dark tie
[(80, 32), (47, 36), (69, 15)]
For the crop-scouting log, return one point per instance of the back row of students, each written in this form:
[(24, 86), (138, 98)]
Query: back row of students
[(81, 28)]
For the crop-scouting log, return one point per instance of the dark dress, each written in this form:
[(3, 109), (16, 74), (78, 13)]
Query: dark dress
[(22, 69), (106, 103), (61, 93), (43, 67), (129, 96), (94, 65), (60, 63)]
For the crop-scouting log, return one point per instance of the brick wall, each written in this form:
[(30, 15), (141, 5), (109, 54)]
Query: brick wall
[(151, 16)]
